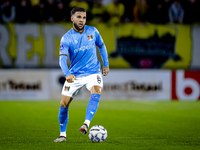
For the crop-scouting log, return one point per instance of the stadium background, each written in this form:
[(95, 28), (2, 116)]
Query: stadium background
[(150, 98), (158, 57)]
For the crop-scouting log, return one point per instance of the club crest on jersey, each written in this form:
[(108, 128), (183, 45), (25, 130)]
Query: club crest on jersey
[(90, 37)]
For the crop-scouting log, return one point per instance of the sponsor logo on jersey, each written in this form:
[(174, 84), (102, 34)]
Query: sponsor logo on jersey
[(90, 37), (83, 48)]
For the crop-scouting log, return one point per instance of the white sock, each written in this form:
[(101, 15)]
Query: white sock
[(63, 134), (87, 122)]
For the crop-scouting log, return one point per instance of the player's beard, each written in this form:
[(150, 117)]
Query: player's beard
[(77, 28)]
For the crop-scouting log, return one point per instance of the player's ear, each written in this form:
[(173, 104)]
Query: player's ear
[(72, 18)]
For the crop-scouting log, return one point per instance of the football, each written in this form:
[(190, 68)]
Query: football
[(97, 134)]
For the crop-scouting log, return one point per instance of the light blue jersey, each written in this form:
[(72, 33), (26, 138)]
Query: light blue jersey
[(81, 50)]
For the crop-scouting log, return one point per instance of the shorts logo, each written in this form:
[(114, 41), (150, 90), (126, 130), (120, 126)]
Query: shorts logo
[(98, 79), (90, 37), (66, 88)]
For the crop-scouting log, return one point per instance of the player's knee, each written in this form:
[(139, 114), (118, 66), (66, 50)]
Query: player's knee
[(65, 101), (96, 89), (62, 104), (98, 92)]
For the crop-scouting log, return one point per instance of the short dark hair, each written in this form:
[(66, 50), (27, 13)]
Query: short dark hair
[(75, 9)]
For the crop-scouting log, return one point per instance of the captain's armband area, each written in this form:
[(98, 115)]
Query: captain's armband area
[(101, 45), (63, 54)]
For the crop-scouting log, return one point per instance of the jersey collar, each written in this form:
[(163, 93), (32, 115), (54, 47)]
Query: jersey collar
[(81, 31)]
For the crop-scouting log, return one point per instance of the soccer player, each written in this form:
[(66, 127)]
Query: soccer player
[(79, 45)]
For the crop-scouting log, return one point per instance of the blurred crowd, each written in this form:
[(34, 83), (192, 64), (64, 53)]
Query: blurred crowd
[(110, 11)]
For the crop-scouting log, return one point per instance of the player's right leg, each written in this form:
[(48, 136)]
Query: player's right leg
[(63, 117), (69, 90)]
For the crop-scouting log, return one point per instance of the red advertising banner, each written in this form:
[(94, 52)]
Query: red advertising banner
[(185, 85)]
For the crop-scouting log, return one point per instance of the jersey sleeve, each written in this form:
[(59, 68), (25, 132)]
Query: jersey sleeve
[(102, 49), (99, 40), (64, 46)]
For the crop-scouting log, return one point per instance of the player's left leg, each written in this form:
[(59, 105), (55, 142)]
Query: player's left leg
[(94, 84), (91, 108)]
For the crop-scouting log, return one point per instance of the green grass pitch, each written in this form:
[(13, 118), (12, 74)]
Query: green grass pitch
[(130, 124)]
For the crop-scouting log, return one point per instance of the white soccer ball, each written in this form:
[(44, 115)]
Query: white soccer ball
[(97, 134)]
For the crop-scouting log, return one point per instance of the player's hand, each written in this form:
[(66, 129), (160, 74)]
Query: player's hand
[(105, 71), (70, 78)]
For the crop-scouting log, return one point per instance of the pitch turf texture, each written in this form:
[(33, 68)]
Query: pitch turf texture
[(130, 125)]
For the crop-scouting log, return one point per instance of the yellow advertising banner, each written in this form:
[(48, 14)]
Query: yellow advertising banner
[(128, 45)]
